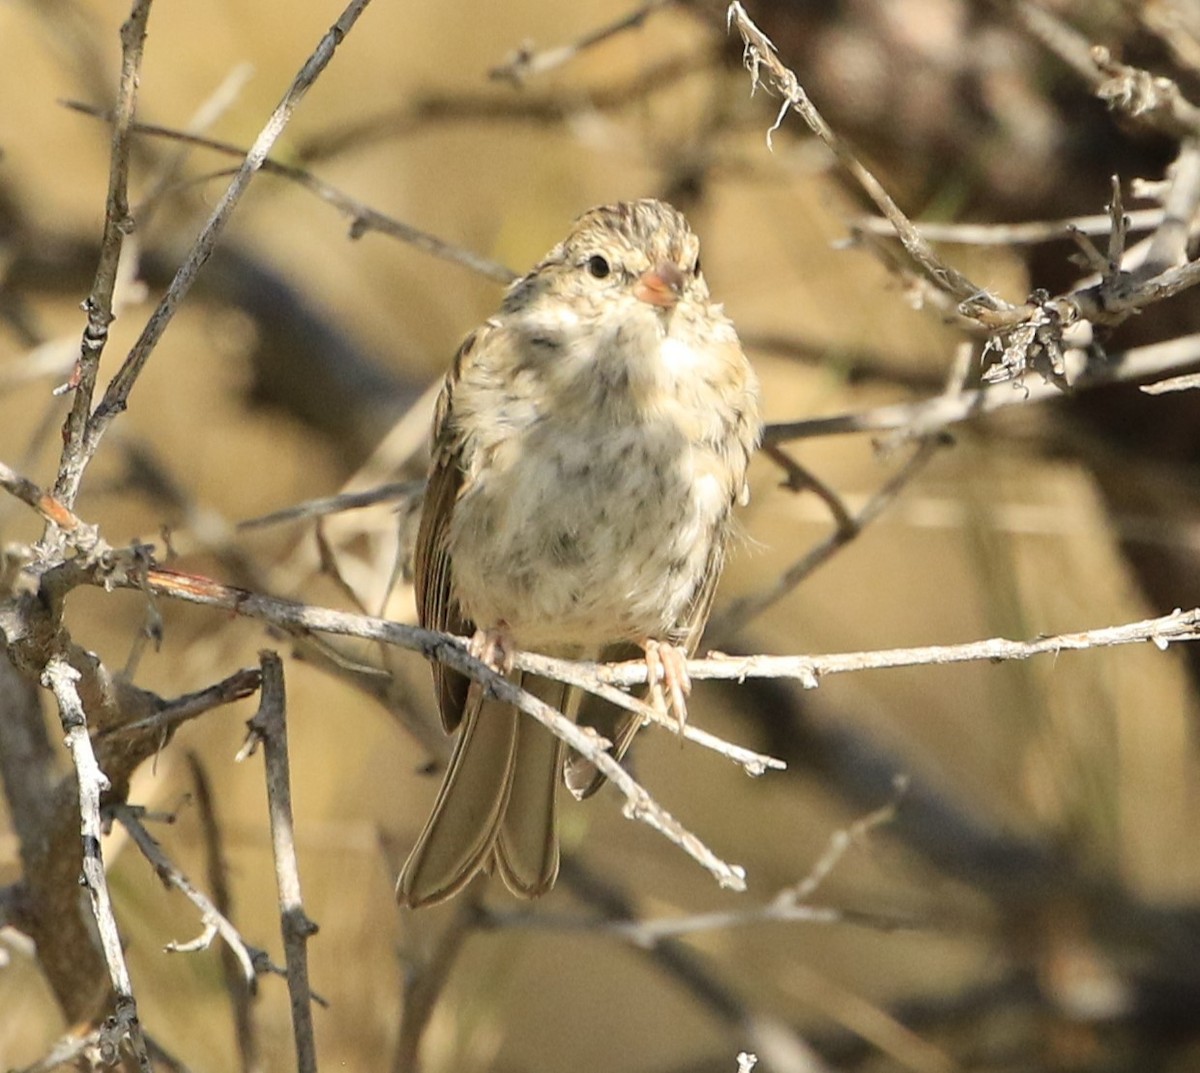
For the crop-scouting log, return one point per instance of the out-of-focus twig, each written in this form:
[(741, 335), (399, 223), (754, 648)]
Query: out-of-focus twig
[(240, 992), (363, 218), (1015, 234), (939, 412), (525, 62), (548, 109), (849, 526), (336, 504), (424, 984)]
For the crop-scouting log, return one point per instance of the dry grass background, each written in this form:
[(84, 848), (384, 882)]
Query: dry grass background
[(1092, 754)]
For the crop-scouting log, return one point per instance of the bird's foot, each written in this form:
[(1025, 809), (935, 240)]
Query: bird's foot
[(666, 671), (494, 646)]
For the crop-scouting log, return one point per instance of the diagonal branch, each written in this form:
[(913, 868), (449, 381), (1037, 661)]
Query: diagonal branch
[(215, 922), (117, 394), (764, 64)]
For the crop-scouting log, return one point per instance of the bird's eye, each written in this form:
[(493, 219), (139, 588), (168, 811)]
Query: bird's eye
[(598, 266), (696, 268)]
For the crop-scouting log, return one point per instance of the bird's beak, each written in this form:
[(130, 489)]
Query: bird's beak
[(660, 286)]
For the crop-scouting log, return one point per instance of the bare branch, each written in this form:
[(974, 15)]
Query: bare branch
[(50, 507), (1018, 234), (761, 59), (322, 506), (215, 922), (1179, 626), (1155, 101), (270, 727), (928, 415), (173, 713), (117, 394), (1168, 248), (792, 905), (849, 527), (68, 1049), (454, 653), (363, 218), (1186, 382), (99, 304), (60, 678)]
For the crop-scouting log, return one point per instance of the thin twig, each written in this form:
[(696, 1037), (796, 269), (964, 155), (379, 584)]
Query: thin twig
[(453, 652), (941, 411), (525, 62), (170, 714), (549, 109), (117, 394), (60, 678), (363, 218), (747, 607), (790, 906), (322, 506), (1168, 248), (799, 479), (215, 922), (1186, 382), (1017, 234), (783, 1049), (210, 110), (1154, 101), (66, 1050), (99, 303), (50, 507), (269, 726), (753, 763), (761, 59), (1177, 627)]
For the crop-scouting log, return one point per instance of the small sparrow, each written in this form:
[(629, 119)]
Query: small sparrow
[(589, 446)]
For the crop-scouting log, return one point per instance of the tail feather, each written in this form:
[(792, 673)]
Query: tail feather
[(527, 848), (616, 724), (470, 805)]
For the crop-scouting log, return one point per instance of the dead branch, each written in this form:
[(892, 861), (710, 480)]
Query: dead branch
[(61, 678), (117, 394), (269, 727), (99, 304)]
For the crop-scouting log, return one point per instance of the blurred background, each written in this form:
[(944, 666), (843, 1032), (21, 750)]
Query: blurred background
[(1045, 855)]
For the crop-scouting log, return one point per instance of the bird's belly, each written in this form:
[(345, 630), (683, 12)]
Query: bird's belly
[(576, 540)]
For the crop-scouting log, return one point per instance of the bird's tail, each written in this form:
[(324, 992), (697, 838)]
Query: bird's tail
[(497, 803)]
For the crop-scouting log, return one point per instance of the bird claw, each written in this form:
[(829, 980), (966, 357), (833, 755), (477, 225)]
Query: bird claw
[(494, 647), (666, 671)]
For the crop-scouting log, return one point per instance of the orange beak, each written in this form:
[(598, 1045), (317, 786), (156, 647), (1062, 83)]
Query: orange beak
[(661, 286)]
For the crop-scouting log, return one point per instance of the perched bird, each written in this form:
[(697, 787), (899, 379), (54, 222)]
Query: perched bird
[(589, 446)]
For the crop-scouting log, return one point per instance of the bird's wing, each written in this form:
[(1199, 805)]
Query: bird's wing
[(437, 607)]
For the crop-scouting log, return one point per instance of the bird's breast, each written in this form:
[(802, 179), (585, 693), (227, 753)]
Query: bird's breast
[(589, 530)]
